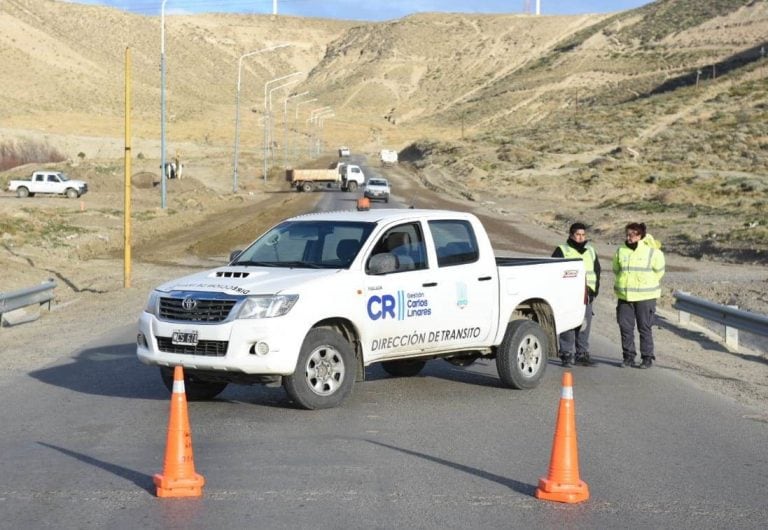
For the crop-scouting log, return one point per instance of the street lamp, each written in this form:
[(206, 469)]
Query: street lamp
[(237, 106), (285, 125), (269, 107), (266, 117), (320, 123), (310, 121), (162, 104), (296, 125)]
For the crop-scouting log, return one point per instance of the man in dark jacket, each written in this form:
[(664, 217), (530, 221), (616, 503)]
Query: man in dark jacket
[(576, 341)]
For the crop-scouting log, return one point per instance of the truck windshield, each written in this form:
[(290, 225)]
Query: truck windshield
[(307, 244)]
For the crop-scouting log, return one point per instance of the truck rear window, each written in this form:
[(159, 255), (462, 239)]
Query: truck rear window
[(455, 242)]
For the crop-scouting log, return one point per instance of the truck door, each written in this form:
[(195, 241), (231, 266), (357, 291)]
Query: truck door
[(51, 183), (398, 307), (462, 286)]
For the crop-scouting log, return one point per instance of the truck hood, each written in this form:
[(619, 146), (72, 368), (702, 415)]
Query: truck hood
[(247, 280)]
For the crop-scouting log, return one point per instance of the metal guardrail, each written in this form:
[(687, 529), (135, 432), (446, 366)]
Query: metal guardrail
[(39, 294), (732, 318)]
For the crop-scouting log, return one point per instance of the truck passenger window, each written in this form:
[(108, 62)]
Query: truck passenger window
[(406, 244), (455, 242)]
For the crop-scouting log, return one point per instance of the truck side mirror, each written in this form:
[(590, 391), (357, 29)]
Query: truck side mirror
[(383, 263), (234, 255)]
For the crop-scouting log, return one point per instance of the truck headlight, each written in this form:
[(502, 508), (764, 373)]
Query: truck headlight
[(152, 303), (267, 306)]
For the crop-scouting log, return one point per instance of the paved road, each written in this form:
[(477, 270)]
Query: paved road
[(450, 448)]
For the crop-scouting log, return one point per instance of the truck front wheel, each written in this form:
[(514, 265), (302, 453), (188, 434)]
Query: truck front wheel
[(306, 187), (325, 371), (195, 389), (72, 193), (522, 356), (22, 192), (352, 186)]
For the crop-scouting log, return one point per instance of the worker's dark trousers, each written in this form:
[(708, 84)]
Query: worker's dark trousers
[(576, 340), (642, 313)]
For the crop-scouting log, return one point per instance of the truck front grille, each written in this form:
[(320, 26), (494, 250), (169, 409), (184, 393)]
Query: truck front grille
[(206, 348), (205, 310)]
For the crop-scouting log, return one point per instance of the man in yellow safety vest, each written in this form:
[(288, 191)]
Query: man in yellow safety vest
[(576, 341), (639, 266)]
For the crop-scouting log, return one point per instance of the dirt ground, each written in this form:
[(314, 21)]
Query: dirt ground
[(204, 221)]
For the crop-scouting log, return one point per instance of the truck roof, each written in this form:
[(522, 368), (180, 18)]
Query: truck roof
[(382, 214)]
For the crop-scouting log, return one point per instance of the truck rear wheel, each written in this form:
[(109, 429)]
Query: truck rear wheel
[(403, 368), (522, 356), (22, 192), (72, 193), (195, 389), (325, 371)]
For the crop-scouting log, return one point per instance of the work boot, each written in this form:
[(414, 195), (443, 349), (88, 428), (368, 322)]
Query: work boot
[(647, 363), (567, 360), (628, 363), (584, 359)]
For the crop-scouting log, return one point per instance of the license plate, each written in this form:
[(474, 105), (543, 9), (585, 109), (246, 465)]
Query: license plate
[(184, 338)]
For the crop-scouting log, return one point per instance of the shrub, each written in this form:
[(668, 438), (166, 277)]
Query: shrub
[(15, 153)]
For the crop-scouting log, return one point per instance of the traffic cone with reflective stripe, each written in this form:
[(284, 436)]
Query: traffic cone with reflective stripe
[(179, 478), (562, 483)]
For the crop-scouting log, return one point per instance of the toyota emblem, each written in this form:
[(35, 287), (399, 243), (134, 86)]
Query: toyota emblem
[(189, 304)]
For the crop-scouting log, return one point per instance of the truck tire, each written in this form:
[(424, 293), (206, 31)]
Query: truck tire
[(522, 356), (195, 389), (403, 368), (306, 187), (325, 371), (352, 186), (22, 192), (72, 193)]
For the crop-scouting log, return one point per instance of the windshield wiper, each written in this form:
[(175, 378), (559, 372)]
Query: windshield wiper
[(286, 264), (301, 265), (258, 263)]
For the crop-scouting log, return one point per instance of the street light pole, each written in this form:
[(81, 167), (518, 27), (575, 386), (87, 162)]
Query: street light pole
[(321, 124), (271, 128), (311, 121), (285, 126), (237, 106), (320, 118), (296, 126), (162, 104), (266, 117)]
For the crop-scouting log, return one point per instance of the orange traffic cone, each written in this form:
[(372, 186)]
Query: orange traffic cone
[(562, 483), (179, 478), (363, 203)]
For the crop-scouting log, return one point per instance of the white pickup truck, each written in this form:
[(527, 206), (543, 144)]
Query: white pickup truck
[(319, 297), (54, 182)]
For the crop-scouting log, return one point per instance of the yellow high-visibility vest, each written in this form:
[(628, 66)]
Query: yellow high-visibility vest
[(638, 272), (589, 257)]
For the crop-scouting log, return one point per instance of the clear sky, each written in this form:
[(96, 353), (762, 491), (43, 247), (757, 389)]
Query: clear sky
[(373, 10)]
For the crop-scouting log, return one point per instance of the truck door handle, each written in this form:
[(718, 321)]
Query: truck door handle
[(483, 278), (430, 284)]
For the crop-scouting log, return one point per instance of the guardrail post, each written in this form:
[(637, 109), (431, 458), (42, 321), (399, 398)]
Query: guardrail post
[(732, 334), (683, 318)]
